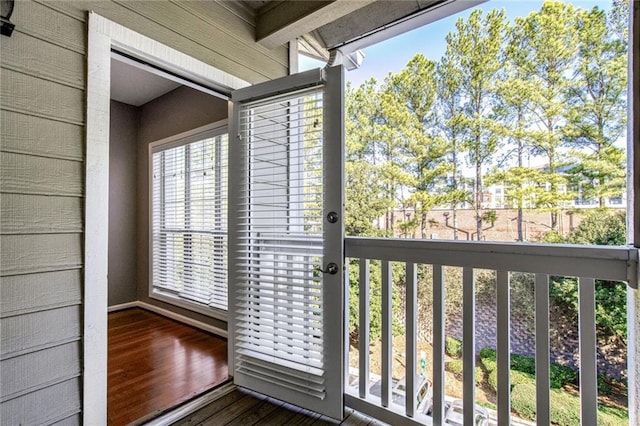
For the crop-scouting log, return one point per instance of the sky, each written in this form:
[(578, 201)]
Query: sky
[(393, 54)]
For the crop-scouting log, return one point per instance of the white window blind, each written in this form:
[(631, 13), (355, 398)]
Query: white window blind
[(279, 306), (189, 222)]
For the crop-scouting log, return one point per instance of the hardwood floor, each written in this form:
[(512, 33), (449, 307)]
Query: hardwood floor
[(155, 363), (241, 407)]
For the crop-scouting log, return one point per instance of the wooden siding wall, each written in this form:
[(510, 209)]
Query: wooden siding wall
[(42, 113)]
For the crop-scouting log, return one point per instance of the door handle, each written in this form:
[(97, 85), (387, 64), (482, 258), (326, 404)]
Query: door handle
[(331, 269)]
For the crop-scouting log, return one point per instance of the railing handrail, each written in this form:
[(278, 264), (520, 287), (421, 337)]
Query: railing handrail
[(614, 263)]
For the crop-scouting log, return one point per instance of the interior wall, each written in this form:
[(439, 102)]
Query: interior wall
[(178, 111), (123, 153)]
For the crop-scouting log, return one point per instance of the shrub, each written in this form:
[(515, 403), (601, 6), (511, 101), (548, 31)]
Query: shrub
[(453, 347), (488, 353), (565, 408), (455, 366), (525, 364), (489, 364), (604, 387), (560, 375), (600, 227), (516, 378), (479, 373), (523, 401)]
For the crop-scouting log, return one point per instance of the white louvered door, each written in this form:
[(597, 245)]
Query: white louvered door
[(286, 301)]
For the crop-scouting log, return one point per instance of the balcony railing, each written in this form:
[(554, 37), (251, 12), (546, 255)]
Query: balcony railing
[(586, 263)]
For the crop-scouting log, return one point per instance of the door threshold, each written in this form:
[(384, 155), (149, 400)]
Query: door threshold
[(191, 406)]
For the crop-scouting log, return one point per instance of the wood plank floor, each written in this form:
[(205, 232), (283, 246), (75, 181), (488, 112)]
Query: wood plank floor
[(155, 363), (241, 407)]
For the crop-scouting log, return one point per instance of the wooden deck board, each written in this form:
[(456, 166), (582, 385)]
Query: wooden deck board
[(242, 407)]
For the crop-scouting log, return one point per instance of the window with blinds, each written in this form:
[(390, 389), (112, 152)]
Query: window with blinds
[(279, 305), (189, 221)]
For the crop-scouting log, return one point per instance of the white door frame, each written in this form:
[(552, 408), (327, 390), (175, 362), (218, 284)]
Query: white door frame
[(103, 36)]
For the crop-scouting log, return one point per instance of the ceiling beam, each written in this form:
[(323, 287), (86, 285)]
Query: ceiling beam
[(279, 23)]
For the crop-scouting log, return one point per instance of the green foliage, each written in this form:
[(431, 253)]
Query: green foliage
[(523, 400), (565, 407), (604, 387), (453, 347), (515, 377), (599, 227), (454, 366), (375, 297), (560, 375), (537, 86), (524, 368)]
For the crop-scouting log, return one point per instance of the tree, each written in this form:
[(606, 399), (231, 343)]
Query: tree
[(475, 48), (449, 126), (600, 227), (515, 91), (551, 41), (365, 202), (409, 102), (598, 108)]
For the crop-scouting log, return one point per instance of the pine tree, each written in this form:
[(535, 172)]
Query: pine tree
[(552, 44), (515, 91), (365, 201), (598, 107), (410, 98), (478, 43), (449, 127)]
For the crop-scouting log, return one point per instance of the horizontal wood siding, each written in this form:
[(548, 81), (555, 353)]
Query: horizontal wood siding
[(224, 40), (26, 174), (38, 20), (27, 134), (23, 294), (39, 214), (37, 370), (36, 331), (73, 420), (42, 175), (45, 406), (42, 98), (29, 55), (24, 254)]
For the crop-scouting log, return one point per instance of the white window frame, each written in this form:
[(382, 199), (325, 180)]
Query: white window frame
[(218, 128)]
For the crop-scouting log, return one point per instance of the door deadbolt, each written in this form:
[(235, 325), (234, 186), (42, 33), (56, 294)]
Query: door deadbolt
[(332, 217)]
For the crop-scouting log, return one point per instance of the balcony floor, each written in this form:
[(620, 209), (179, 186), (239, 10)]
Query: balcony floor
[(241, 407)]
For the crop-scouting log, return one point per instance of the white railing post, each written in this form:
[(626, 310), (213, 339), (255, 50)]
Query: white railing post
[(387, 332), (347, 313), (468, 342), (633, 360), (503, 358), (542, 349), (411, 319), (438, 344), (588, 367), (363, 329)]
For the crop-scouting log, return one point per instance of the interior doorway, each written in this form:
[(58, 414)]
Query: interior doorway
[(104, 37), (154, 363)]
